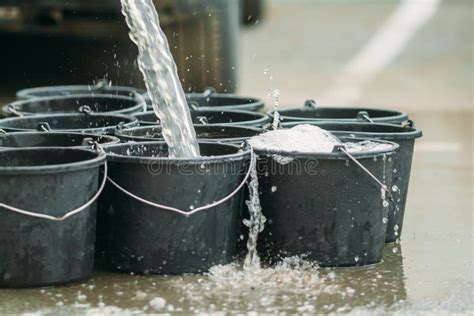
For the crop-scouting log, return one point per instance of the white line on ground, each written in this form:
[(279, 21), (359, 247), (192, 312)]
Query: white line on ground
[(382, 48)]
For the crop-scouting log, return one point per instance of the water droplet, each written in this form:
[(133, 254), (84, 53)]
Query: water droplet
[(394, 188), (385, 220), (274, 188), (356, 258), (158, 303)]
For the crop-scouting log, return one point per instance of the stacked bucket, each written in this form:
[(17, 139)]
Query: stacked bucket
[(86, 181)]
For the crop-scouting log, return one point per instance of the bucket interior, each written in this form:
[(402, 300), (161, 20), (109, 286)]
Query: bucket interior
[(336, 113), (43, 157), (52, 139), (72, 104), (66, 122)]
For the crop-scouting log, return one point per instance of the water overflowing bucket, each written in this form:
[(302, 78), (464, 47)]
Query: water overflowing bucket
[(325, 207), (210, 100), (74, 122), (162, 215), (47, 230), (405, 137), (106, 104), (54, 139), (214, 117), (207, 133), (311, 112), (100, 88)]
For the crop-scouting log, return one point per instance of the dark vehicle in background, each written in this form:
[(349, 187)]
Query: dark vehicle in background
[(203, 35)]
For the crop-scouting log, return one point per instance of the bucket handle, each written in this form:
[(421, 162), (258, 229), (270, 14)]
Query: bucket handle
[(310, 105), (14, 110), (364, 115), (409, 124), (202, 120), (43, 127), (141, 100), (193, 105), (85, 109), (342, 148), (68, 214), (196, 210), (209, 91), (101, 84)]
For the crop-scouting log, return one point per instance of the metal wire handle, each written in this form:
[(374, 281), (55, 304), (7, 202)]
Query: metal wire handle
[(68, 214), (14, 110), (383, 186), (141, 100), (366, 117), (194, 211)]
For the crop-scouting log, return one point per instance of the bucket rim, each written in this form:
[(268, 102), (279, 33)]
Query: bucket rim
[(96, 161), (260, 121), (396, 115), (128, 121), (111, 139), (255, 103), (406, 132), (240, 154), (138, 104), (30, 92), (336, 155), (123, 133)]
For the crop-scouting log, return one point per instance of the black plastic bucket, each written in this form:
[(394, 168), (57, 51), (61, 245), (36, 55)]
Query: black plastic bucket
[(210, 100), (140, 238), (311, 112), (54, 139), (324, 207), (214, 117), (56, 91), (53, 242), (404, 136), (78, 122), (106, 104), (207, 133)]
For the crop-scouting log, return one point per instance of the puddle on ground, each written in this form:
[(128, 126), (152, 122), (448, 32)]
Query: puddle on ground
[(293, 286)]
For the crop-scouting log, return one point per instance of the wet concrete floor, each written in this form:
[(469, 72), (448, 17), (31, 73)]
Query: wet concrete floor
[(431, 269)]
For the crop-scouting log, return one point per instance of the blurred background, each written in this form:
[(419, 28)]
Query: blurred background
[(381, 53), (416, 56)]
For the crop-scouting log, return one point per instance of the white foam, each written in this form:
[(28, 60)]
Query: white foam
[(307, 138), (301, 138)]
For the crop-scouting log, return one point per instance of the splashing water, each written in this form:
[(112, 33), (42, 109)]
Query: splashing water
[(256, 222), (161, 77)]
